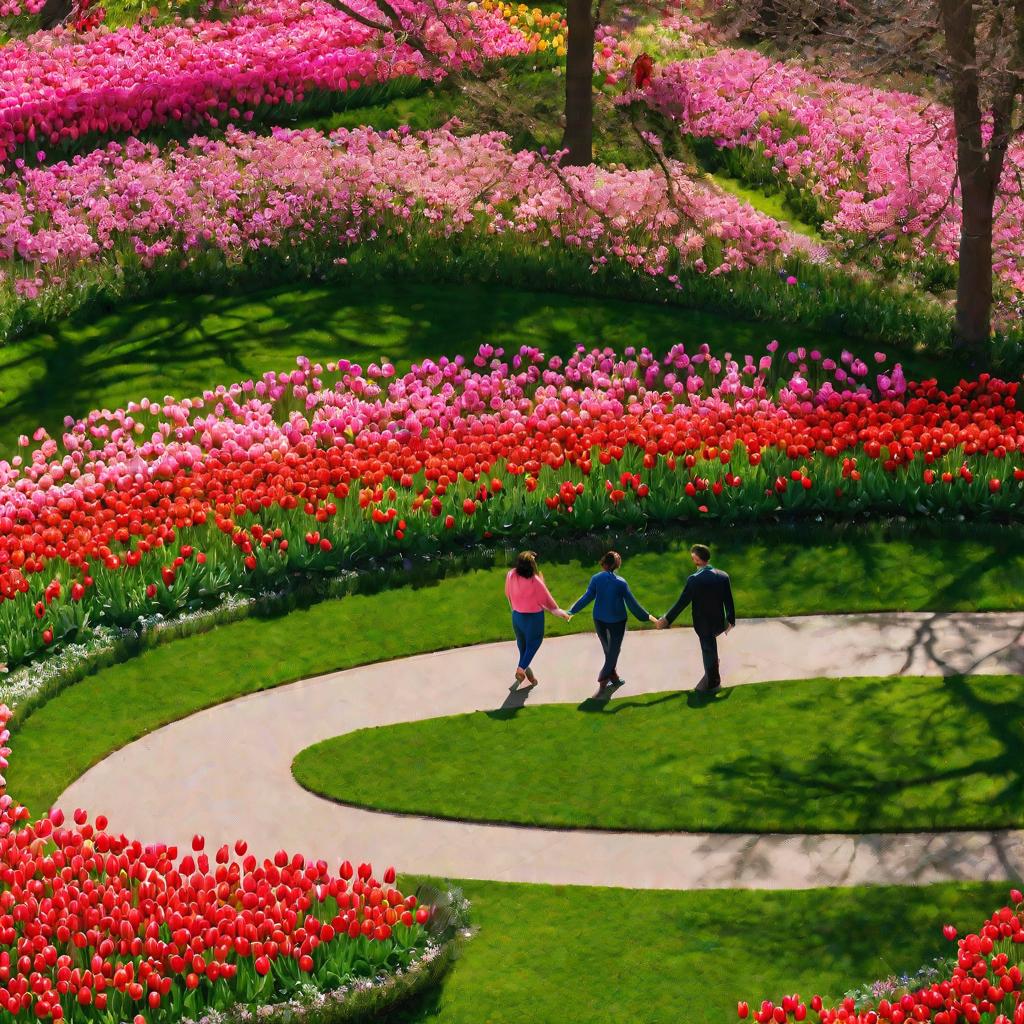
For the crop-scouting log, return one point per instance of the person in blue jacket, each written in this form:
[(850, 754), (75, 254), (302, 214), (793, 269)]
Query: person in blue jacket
[(611, 596)]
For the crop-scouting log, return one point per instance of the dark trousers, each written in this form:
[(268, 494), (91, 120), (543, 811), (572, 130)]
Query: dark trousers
[(709, 652), (610, 634)]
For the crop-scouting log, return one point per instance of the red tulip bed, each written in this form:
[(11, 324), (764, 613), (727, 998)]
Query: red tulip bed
[(98, 927), (164, 506), (984, 985)]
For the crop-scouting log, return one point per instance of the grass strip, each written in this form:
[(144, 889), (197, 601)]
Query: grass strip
[(776, 571)]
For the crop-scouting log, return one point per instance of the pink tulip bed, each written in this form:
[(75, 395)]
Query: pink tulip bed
[(877, 165), (58, 90), (302, 191), (165, 506)]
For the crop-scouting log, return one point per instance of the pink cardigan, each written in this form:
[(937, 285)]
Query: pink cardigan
[(528, 595)]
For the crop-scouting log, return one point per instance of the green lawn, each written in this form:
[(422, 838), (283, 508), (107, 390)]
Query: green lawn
[(615, 956), (772, 204), (802, 756), (775, 571), (180, 344)]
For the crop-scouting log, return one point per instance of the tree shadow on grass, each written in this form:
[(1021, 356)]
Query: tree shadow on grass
[(886, 790), (110, 354)]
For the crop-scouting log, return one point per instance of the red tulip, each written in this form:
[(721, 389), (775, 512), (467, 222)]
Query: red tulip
[(742, 1010)]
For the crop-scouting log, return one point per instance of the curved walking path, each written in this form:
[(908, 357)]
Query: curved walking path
[(226, 772)]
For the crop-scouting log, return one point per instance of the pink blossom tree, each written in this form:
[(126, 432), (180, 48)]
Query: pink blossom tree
[(971, 52)]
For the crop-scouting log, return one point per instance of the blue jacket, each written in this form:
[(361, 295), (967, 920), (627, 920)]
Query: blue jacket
[(611, 596)]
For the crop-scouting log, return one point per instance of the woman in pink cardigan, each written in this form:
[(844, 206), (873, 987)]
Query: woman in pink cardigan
[(530, 599)]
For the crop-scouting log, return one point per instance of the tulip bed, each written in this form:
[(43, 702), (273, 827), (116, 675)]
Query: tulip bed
[(185, 343), (875, 167), (62, 91), (983, 985), (302, 192), (165, 506), (97, 927)]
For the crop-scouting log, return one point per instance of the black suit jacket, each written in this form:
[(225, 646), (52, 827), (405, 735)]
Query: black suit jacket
[(710, 593)]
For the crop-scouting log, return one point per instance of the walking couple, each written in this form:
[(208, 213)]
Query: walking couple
[(708, 590)]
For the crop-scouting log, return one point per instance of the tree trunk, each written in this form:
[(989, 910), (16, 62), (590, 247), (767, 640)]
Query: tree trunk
[(54, 12), (977, 171), (974, 286), (578, 139)]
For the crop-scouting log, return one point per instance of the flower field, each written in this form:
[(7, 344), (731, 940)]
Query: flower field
[(984, 985), (162, 506), (295, 189), (877, 165), (61, 90), (176, 509), (97, 927)]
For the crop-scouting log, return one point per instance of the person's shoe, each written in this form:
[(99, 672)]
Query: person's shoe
[(702, 686)]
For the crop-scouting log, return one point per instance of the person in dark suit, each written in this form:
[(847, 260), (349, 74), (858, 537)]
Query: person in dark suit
[(714, 613)]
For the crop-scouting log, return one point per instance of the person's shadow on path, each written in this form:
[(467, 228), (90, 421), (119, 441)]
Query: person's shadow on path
[(602, 703), (513, 704)]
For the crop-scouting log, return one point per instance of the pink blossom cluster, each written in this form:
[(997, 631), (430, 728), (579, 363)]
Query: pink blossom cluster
[(56, 88), (17, 8), (249, 192), (674, 36), (880, 164)]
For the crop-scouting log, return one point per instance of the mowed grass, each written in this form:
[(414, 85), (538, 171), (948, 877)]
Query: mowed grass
[(617, 956), (816, 755), (181, 344), (775, 571)]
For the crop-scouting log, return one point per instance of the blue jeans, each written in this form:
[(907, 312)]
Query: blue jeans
[(529, 630)]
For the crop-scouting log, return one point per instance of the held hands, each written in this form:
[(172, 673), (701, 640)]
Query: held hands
[(660, 623), (562, 614)]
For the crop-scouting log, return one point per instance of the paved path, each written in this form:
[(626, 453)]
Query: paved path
[(226, 772)]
